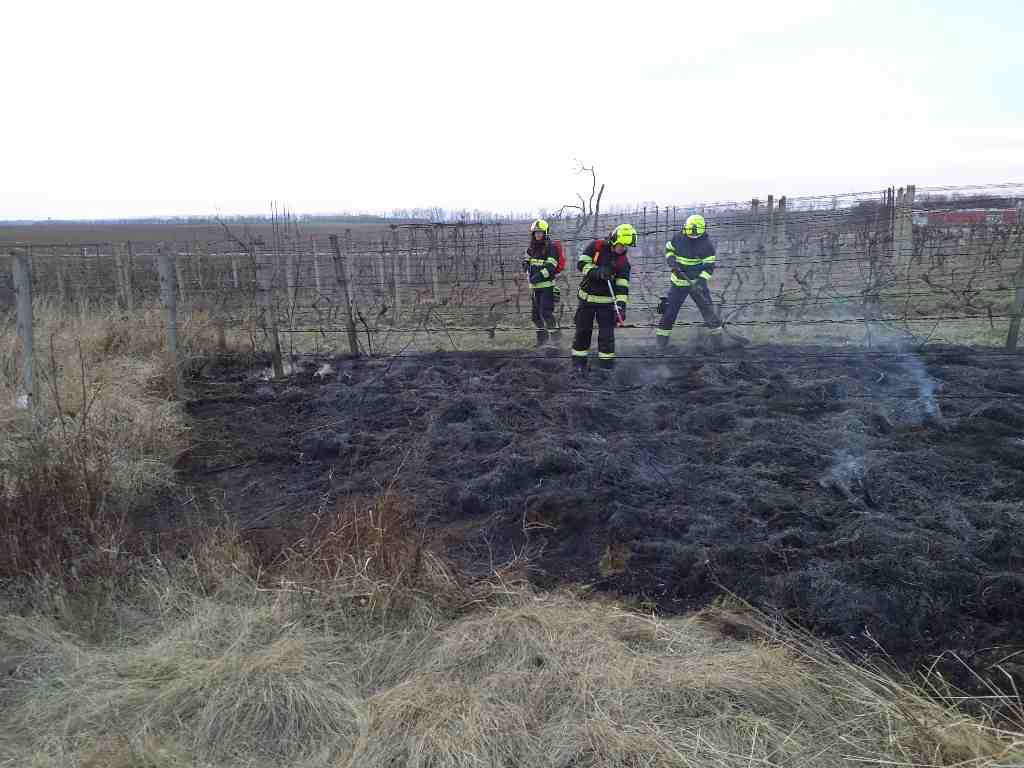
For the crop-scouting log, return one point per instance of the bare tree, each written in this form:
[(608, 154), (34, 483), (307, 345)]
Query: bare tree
[(588, 210)]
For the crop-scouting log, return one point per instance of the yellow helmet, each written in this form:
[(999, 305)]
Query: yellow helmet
[(694, 226), (624, 234), (539, 225)]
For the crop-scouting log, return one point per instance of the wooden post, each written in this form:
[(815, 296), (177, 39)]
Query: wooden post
[(479, 264), (768, 256), (129, 278), (342, 281), (179, 273), (645, 250), (291, 277), (410, 254), (905, 238), (396, 278), (169, 297), (197, 267), (62, 280), (82, 294), (122, 297), (265, 271), (501, 264), (775, 257), (433, 257), (382, 263), (316, 266), (1018, 304), (22, 269), (466, 270)]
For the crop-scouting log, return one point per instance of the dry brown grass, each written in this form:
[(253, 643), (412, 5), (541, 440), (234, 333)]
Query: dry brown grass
[(233, 673), (361, 648), (99, 443)]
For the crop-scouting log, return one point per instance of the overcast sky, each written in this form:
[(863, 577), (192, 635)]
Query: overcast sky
[(139, 108)]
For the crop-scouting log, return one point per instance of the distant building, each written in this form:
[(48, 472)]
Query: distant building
[(967, 217)]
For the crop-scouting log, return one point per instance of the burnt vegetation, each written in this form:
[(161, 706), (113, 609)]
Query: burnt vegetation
[(876, 498)]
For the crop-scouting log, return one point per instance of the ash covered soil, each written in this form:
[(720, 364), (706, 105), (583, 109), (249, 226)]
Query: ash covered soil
[(863, 494)]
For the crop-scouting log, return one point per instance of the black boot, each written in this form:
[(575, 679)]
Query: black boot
[(542, 338), (661, 341)]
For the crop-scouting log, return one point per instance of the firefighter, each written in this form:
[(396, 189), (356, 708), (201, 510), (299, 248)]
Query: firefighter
[(541, 264), (603, 295), (691, 257)]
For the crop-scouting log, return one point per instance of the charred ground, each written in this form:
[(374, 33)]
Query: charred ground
[(864, 494)]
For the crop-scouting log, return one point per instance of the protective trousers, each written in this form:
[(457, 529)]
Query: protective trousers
[(676, 296), (543, 314), (586, 314)]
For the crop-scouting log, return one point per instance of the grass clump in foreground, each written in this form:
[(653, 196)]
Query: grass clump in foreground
[(100, 442), (212, 665), (362, 649)]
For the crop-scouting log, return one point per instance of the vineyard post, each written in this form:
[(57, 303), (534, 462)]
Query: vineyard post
[(342, 281), (266, 270), (169, 297), (1018, 304), (22, 269)]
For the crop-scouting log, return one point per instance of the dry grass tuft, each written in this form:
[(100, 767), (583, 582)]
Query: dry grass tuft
[(286, 676), (100, 442)]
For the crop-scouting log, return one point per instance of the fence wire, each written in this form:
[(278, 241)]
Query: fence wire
[(891, 259)]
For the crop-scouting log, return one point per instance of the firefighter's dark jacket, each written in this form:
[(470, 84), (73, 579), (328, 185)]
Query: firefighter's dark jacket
[(543, 261), (690, 258), (595, 291)]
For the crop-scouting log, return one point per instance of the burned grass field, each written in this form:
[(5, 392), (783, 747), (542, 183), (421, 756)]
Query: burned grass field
[(876, 497)]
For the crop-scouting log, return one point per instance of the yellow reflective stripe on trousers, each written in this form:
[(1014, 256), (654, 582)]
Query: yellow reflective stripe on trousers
[(606, 355), (682, 282), (592, 299), (662, 332), (580, 352)]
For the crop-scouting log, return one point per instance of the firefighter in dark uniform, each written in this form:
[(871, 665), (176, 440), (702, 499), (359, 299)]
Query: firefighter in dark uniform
[(541, 265), (691, 257), (603, 295)]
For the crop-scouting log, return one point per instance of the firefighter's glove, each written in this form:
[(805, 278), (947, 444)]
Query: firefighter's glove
[(537, 276), (604, 272), (662, 302)]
